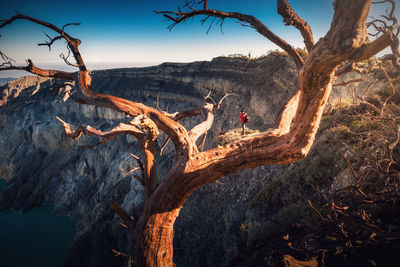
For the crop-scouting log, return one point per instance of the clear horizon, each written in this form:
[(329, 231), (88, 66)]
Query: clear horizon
[(128, 33)]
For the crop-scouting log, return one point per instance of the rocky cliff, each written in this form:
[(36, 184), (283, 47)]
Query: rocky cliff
[(4, 81), (44, 167)]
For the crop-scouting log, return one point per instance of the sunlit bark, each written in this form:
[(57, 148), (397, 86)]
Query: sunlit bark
[(290, 140)]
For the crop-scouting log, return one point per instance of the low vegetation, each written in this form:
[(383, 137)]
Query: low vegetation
[(232, 135), (339, 206)]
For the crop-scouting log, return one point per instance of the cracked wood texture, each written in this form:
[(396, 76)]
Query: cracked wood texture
[(296, 125), (346, 40), (291, 18)]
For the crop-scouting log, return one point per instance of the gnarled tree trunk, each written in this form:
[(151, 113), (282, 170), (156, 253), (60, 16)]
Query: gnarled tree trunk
[(344, 41), (296, 126), (155, 234)]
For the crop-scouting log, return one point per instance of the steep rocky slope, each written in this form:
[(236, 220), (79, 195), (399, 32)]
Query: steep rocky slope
[(44, 167), (339, 206), (4, 81)]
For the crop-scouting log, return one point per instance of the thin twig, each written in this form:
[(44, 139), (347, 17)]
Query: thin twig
[(315, 210)]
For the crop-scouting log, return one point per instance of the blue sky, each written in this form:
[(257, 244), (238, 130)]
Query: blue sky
[(120, 33)]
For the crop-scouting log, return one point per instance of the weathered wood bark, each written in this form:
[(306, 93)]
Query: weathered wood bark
[(292, 139), (296, 125), (155, 233), (291, 18)]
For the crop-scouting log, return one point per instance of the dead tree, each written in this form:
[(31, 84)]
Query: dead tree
[(346, 43)]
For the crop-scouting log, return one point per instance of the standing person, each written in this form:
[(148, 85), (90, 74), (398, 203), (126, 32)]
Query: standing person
[(243, 120)]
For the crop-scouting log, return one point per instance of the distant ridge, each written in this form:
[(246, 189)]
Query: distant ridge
[(4, 81)]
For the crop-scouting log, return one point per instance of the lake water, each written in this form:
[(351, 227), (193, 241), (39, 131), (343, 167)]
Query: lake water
[(35, 238)]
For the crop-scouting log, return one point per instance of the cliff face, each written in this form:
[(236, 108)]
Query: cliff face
[(4, 81), (44, 167)]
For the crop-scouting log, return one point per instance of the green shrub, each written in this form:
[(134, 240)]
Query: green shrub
[(327, 122), (264, 196), (363, 125)]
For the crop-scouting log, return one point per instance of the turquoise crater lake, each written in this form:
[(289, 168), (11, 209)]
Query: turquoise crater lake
[(36, 238)]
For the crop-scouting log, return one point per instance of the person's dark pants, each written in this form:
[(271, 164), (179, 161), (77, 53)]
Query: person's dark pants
[(243, 128)]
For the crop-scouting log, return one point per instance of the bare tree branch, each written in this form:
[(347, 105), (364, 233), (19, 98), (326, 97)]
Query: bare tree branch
[(218, 105), (344, 83), (393, 58), (315, 210), (208, 96), (72, 42), (290, 17), (65, 58), (393, 92), (293, 144), (174, 130), (352, 67), (286, 115), (142, 128), (122, 128), (203, 127), (206, 111), (7, 60), (123, 215), (177, 116), (139, 162), (393, 28), (141, 167), (139, 179), (297, 123), (370, 49), (202, 142), (181, 16), (164, 145), (41, 72), (51, 42), (71, 24), (391, 147)]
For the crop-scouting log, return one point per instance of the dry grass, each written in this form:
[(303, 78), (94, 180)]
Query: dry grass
[(233, 135)]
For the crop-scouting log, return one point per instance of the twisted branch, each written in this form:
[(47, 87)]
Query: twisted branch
[(51, 42), (141, 168), (7, 60), (65, 58), (290, 17), (393, 91), (182, 16), (122, 128), (128, 220), (71, 42), (30, 67), (344, 83), (394, 29)]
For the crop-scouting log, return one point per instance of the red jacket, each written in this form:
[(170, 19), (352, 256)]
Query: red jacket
[(243, 117)]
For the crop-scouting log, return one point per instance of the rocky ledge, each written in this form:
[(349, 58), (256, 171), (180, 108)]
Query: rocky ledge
[(44, 167)]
